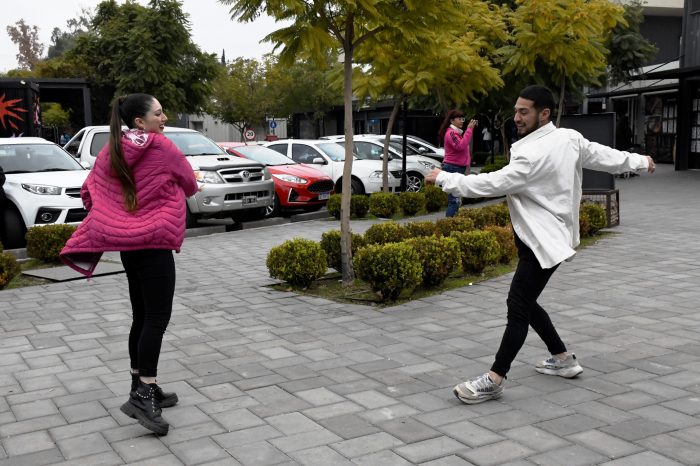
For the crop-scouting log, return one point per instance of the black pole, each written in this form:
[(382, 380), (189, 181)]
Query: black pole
[(403, 160)]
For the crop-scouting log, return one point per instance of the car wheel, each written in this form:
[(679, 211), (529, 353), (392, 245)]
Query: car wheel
[(274, 209), (356, 187), (414, 182), (15, 230), (191, 220)]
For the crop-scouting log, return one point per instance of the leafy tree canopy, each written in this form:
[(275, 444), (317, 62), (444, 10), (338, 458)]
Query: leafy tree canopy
[(629, 50), (133, 48), (27, 40)]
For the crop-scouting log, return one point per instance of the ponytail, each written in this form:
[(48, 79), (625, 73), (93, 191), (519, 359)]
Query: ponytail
[(116, 156)]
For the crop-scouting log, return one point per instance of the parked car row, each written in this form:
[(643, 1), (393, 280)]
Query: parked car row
[(241, 181)]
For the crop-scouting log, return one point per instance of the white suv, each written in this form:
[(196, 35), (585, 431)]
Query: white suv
[(329, 157), (42, 186)]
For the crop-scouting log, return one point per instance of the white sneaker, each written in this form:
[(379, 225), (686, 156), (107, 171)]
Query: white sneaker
[(568, 368), (478, 390)]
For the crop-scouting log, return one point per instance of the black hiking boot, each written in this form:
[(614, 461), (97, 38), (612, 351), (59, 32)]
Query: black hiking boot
[(144, 407), (165, 399)]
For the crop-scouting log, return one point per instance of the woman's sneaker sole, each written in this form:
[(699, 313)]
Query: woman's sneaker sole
[(568, 373), (134, 413)]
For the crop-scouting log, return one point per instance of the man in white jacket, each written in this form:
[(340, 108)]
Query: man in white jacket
[(542, 183)]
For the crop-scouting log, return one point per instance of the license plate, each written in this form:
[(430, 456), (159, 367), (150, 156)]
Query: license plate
[(324, 196), (250, 200)]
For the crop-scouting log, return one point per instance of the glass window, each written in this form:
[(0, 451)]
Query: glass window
[(194, 143), (35, 158), (263, 155), (281, 148), (333, 150), (302, 153)]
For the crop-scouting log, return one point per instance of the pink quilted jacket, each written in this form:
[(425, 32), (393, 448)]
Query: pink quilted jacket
[(163, 179)]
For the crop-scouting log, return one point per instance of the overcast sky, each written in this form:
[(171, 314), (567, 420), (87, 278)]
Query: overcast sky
[(211, 27)]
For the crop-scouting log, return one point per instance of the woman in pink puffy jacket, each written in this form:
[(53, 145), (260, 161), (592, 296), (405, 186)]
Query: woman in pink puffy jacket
[(457, 156), (135, 197)]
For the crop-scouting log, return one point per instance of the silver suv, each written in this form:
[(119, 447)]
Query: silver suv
[(232, 186)]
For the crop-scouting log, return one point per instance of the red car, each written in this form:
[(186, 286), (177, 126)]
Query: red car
[(297, 186)]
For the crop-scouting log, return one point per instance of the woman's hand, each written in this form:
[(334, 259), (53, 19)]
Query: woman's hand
[(472, 123)]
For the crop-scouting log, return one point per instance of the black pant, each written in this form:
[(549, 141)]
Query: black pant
[(151, 276), (527, 285)]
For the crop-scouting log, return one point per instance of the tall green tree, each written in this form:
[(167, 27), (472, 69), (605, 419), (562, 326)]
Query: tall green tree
[(241, 96), (26, 38), (135, 48), (64, 40), (454, 62), (562, 41), (629, 50), (321, 25)]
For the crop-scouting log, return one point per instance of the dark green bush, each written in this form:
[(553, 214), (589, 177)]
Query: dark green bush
[(389, 268), (435, 198), (500, 213), (438, 256), (480, 158), (492, 167), (479, 248), (359, 205), (481, 216), (330, 243), (45, 242), (421, 228), (506, 241), (387, 232), (584, 224), (333, 205), (383, 205), (411, 203), (9, 269), (445, 226), (297, 261), (597, 217)]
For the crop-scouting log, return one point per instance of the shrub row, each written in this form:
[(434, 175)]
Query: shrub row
[(386, 205), (393, 257)]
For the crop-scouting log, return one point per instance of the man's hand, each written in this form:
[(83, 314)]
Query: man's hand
[(432, 176), (652, 165)]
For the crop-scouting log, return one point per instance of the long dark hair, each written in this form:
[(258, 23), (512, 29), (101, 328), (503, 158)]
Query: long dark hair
[(451, 115), (125, 109)]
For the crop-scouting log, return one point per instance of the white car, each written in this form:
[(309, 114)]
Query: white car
[(414, 145), (42, 186), (417, 166), (329, 157)]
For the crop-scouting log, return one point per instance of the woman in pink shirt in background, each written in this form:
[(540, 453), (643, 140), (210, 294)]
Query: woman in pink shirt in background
[(457, 157), (135, 197)]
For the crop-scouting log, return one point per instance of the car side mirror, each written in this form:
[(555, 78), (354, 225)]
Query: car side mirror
[(318, 161)]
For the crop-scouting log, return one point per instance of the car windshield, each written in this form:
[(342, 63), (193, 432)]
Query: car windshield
[(195, 143), (332, 150), (398, 146), (264, 155), (36, 158)]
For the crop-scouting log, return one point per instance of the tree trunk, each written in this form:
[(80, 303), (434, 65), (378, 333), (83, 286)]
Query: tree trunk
[(561, 100), (385, 156), (345, 233)]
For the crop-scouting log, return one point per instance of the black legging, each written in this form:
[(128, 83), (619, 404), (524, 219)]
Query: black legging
[(528, 283), (151, 276)]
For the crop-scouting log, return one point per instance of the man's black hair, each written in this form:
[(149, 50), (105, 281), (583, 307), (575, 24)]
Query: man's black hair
[(541, 96)]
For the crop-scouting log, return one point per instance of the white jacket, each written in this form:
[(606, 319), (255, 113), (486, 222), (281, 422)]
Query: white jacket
[(543, 187)]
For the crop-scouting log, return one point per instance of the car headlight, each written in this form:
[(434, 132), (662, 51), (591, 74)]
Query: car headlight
[(427, 164), (42, 189), (208, 176), (377, 174), (290, 178)]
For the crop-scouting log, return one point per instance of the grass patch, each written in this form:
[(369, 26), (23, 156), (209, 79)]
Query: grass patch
[(21, 280), (330, 285)]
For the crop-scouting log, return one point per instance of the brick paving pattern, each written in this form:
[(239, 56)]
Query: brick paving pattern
[(273, 378)]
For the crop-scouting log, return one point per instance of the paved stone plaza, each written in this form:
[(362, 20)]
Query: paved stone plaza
[(267, 377)]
